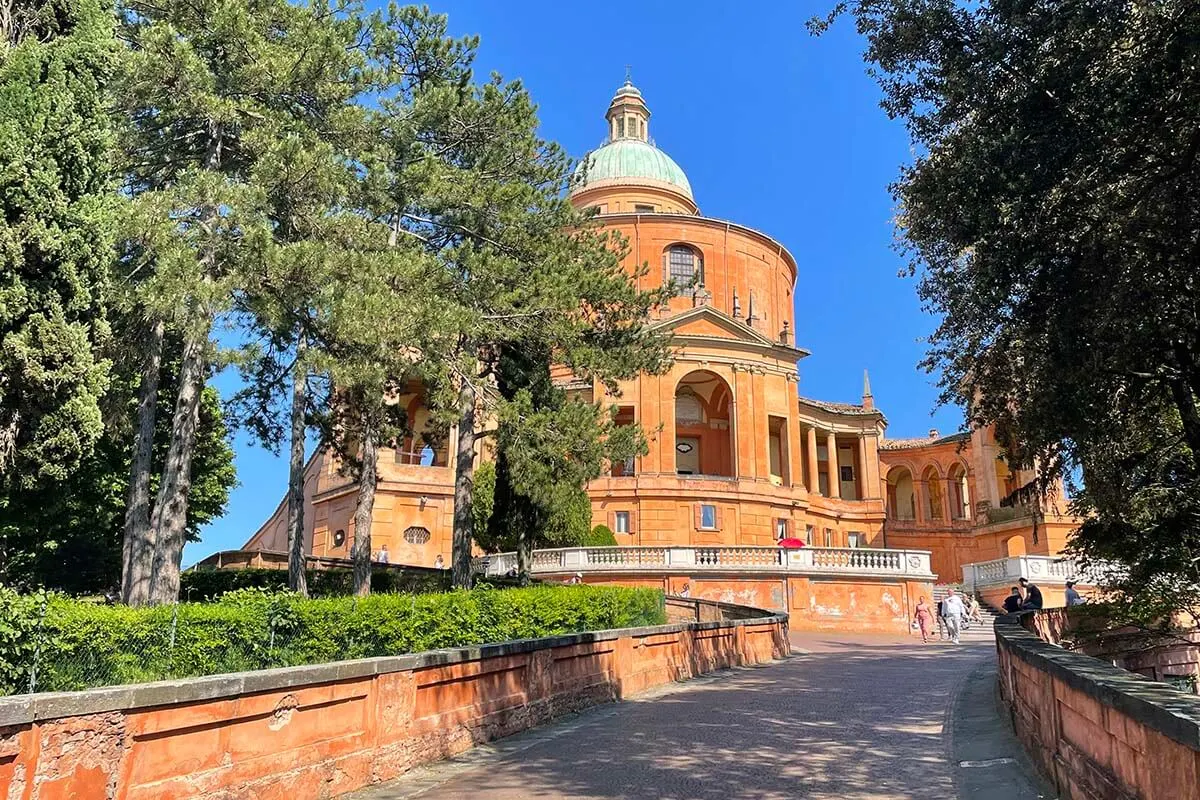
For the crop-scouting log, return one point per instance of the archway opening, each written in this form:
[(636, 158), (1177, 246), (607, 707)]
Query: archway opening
[(960, 497), (902, 501), (933, 492), (703, 425)]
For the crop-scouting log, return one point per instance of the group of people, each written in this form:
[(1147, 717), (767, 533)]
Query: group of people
[(954, 614)]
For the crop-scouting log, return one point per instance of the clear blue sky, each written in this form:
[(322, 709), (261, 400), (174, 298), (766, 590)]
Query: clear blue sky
[(775, 130)]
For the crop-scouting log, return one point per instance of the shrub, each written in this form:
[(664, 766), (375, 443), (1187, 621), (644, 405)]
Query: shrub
[(601, 536), (85, 645), (209, 584)]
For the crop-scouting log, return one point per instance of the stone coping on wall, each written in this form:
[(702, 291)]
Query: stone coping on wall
[(30, 708), (1169, 711)]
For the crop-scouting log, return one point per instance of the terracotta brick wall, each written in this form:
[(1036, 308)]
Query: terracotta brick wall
[(1095, 730), (322, 730)]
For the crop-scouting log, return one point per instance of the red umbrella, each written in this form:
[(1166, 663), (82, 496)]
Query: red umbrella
[(791, 542)]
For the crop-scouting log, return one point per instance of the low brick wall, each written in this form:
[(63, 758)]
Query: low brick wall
[(1095, 730), (319, 731), (835, 603)]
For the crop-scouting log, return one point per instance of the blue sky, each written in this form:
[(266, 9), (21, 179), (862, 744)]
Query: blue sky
[(775, 130)]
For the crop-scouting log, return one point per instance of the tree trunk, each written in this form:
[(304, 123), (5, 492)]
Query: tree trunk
[(297, 580), (137, 548), (168, 523), (368, 478), (464, 488)]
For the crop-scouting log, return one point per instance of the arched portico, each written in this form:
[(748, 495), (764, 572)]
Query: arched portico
[(703, 425)]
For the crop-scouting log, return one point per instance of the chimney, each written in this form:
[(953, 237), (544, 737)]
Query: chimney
[(933, 433)]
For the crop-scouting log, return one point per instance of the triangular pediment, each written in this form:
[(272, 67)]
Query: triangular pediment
[(708, 324), (706, 321)]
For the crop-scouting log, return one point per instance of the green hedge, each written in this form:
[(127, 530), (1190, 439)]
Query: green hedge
[(84, 645), (209, 584)]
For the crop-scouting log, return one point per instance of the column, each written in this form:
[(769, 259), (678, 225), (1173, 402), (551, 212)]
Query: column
[(814, 485), (863, 474), (835, 483)]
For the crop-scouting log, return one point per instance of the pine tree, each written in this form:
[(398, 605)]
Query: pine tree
[(57, 234), (517, 267), (215, 93)]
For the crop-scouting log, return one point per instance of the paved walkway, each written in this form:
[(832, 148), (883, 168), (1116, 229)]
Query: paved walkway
[(849, 717)]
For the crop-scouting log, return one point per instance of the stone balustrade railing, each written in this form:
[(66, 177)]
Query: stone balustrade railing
[(1050, 570), (821, 560)]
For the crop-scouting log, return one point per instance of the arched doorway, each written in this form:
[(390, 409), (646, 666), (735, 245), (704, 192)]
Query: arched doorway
[(960, 497), (902, 502), (703, 425)]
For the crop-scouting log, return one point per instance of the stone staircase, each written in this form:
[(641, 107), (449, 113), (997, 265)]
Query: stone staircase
[(973, 631)]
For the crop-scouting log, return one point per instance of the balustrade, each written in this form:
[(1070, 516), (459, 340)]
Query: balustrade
[(741, 559)]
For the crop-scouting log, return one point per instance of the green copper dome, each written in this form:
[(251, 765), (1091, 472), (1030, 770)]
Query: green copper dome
[(630, 158)]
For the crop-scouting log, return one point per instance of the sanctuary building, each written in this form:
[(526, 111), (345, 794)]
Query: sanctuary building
[(737, 457)]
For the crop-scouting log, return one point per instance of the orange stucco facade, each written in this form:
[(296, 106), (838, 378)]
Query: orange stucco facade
[(736, 456)]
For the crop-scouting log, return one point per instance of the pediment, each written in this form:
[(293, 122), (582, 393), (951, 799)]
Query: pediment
[(708, 324)]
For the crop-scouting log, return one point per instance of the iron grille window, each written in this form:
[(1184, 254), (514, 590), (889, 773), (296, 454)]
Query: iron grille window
[(683, 268)]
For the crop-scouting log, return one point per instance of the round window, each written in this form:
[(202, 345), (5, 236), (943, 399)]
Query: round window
[(339, 538), (416, 535)]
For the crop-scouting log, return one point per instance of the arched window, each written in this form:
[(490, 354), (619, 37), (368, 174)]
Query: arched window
[(416, 535), (685, 268)]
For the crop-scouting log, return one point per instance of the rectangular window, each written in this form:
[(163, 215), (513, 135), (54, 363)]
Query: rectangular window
[(809, 533), (781, 529), (847, 474), (708, 517), (621, 128), (643, 209), (829, 537), (621, 520), (857, 539), (683, 269)]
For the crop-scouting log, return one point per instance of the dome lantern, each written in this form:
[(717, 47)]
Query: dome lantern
[(628, 172)]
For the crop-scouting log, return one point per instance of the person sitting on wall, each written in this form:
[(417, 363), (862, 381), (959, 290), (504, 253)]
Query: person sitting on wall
[(1033, 595), (1012, 603), (686, 591), (438, 563)]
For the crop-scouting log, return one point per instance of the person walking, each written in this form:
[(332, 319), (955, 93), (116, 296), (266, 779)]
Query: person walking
[(1033, 595), (952, 614), (923, 617)]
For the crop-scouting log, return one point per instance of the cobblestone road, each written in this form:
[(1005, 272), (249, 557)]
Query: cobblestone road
[(854, 717)]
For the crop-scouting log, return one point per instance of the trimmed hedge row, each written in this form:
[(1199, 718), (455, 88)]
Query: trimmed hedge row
[(209, 584), (80, 645)]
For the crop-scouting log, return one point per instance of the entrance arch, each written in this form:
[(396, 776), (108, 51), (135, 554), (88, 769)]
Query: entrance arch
[(704, 425), (960, 496)]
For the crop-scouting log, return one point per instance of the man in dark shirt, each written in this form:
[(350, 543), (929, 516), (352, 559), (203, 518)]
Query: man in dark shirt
[(1012, 603), (1033, 595)]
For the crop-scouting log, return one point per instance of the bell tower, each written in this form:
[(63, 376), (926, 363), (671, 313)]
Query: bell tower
[(628, 116)]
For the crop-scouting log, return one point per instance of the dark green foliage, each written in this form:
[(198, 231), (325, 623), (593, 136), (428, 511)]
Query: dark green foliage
[(601, 536), (70, 539), (57, 234), (93, 645), (209, 584), (1053, 215)]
